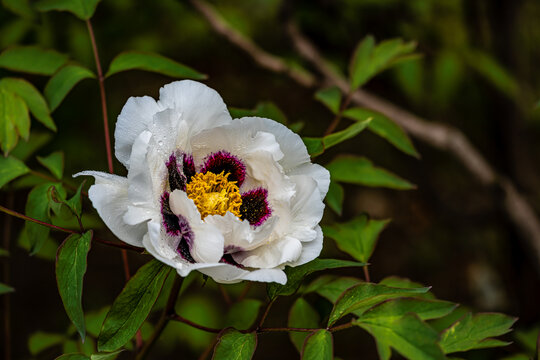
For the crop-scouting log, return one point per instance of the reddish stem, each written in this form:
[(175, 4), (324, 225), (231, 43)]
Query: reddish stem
[(179, 318), (27, 218)]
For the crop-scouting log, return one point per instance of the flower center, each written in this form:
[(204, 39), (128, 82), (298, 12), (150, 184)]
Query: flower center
[(214, 194)]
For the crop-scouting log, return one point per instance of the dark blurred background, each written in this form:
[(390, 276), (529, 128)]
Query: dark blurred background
[(479, 72)]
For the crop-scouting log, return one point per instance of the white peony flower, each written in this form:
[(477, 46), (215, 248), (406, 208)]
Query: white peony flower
[(234, 199)]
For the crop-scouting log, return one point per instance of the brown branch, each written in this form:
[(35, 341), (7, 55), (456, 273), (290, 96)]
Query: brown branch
[(440, 136), (195, 325)]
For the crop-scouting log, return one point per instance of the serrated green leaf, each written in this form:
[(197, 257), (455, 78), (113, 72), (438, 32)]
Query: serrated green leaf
[(316, 146), (57, 202), (234, 345), (37, 207), (409, 335), (396, 308), (360, 66), (136, 60), (19, 7), (70, 270), (11, 168), (54, 163), (83, 9), (4, 289), (14, 119), (330, 97), (361, 171), (474, 332), (33, 99), (302, 315), (331, 287), (63, 81), (357, 237), (318, 346), (40, 341), (363, 296), (335, 196), (32, 59), (295, 275), (385, 128), (132, 306), (73, 357), (243, 314)]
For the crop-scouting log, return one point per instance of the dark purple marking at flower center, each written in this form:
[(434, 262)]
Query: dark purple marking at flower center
[(180, 174), (177, 226), (228, 163), (228, 259), (255, 207)]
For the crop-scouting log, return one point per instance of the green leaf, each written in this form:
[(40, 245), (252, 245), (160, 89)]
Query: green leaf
[(132, 306), (411, 337), (234, 345), (19, 7), (32, 59), (319, 346), (475, 332), (295, 275), (35, 102), (399, 282), (316, 146), (136, 60), (106, 356), (4, 289), (335, 197), (14, 120), (385, 128), (73, 357), (330, 97), (243, 314), (361, 171), (357, 237), (37, 207), (83, 9), (302, 315), (359, 68), (54, 163), (4, 252), (41, 340), (11, 168), (61, 83), (70, 270), (396, 308), (493, 71), (361, 297), (331, 287)]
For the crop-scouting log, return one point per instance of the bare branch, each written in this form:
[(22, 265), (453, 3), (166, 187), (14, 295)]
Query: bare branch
[(438, 135)]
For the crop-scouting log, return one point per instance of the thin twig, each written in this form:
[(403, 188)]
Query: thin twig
[(245, 291), (440, 136), (366, 273), (164, 318), (179, 318), (265, 314), (225, 295), (333, 125), (101, 80), (122, 246), (341, 327), (285, 329), (27, 218)]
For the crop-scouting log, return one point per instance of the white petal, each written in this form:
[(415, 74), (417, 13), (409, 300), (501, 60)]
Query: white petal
[(140, 182), (229, 274), (291, 144), (207, 244), (317, 173), (109, 195), (238, 234), (276, 253), (311, 249), (134, 118), (200, 106)]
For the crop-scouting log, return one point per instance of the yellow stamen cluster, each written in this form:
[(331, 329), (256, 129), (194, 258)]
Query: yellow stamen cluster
[(214, 194)]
